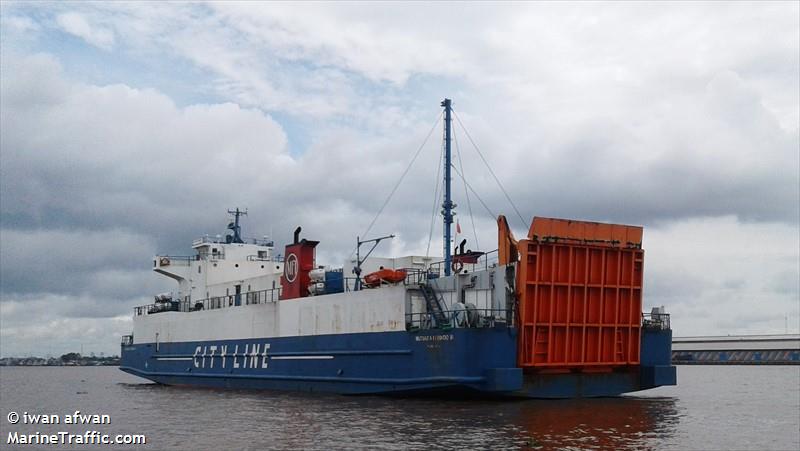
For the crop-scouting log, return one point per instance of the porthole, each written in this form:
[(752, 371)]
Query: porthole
[(262, 266), (237, 265)]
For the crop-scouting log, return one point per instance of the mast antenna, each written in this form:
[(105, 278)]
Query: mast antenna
[(447, 205), (235, 227)]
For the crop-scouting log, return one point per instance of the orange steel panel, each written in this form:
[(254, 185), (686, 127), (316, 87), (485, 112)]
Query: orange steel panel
[(506, 244), (580, 301), (595, 233)]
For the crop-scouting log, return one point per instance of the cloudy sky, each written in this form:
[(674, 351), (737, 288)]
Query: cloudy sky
[(129, 128)]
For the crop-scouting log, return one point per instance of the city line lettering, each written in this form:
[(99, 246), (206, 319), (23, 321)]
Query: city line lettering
[(255, 355)]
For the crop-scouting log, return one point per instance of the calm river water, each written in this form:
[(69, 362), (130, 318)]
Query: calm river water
[(713, 408)]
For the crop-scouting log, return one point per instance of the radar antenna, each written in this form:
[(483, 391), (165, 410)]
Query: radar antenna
[(234, 226)]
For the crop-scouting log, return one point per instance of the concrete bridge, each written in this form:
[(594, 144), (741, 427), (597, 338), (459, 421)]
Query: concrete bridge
[(737, 350)]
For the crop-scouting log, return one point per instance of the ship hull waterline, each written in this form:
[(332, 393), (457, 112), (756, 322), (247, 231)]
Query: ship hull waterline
[(462, 362)]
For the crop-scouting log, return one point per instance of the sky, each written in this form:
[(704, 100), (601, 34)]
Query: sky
[(127, 129)]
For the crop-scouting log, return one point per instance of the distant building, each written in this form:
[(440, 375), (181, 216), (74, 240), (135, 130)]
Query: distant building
[(737, 349)]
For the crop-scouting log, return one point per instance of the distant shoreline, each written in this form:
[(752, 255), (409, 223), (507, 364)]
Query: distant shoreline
[(28, 365), (72, 359)]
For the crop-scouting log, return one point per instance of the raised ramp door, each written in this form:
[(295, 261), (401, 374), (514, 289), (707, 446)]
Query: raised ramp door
[(580, 296)]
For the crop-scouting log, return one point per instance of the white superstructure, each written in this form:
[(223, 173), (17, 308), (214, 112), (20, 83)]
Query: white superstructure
[(222, 270), (232, 289)]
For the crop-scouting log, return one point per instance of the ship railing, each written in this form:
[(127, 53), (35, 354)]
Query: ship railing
[(269, 295), (157, 307), (127, 340), (215, 302), (206, 240), (263, 296), (271, 258), (414, 276), (215, 240), (485, 261), (173, 260), (463, 318), (349, 283), (352, 284), (205, 255), (658, 321), (259, 241)]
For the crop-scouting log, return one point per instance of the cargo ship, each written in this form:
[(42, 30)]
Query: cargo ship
[(556, 314)]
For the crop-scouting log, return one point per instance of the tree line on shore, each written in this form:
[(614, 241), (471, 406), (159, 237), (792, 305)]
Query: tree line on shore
[(68, 359)]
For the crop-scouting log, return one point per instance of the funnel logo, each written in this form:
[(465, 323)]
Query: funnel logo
[(290, 268)]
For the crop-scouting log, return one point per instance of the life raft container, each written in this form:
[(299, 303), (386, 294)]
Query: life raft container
[(374, 279)]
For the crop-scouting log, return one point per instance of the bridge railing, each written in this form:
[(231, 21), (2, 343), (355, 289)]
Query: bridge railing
[(655, 321)]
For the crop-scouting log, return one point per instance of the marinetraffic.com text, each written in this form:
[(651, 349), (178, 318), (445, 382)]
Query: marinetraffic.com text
[(89, 437)]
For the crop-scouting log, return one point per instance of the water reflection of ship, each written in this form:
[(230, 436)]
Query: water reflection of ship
[(607, 423)]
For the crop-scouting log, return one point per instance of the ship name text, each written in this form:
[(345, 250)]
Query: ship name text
[(253, 355)]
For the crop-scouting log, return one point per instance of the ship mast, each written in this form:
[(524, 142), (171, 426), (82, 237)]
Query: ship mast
[(234, 226), (448, 205)]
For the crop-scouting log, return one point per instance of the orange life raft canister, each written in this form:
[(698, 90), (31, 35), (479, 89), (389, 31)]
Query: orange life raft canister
[(374, 279)]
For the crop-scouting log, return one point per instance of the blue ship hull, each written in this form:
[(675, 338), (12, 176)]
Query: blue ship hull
[(477, 361)]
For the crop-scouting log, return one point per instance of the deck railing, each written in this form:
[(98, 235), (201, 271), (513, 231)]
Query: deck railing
[(215, 302), (209, 240), (655, 321), (271, 258), (485, 261), (414, 276), (464, 318), (173, 260), (219, 255)]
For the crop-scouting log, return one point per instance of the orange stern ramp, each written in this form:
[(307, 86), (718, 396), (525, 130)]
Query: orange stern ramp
[(580, 296)]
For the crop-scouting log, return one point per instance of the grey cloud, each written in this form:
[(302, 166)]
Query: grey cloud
[(36, 328), (117, 157), (717, 160), (112, 264), (773, 322), (786, 282)]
